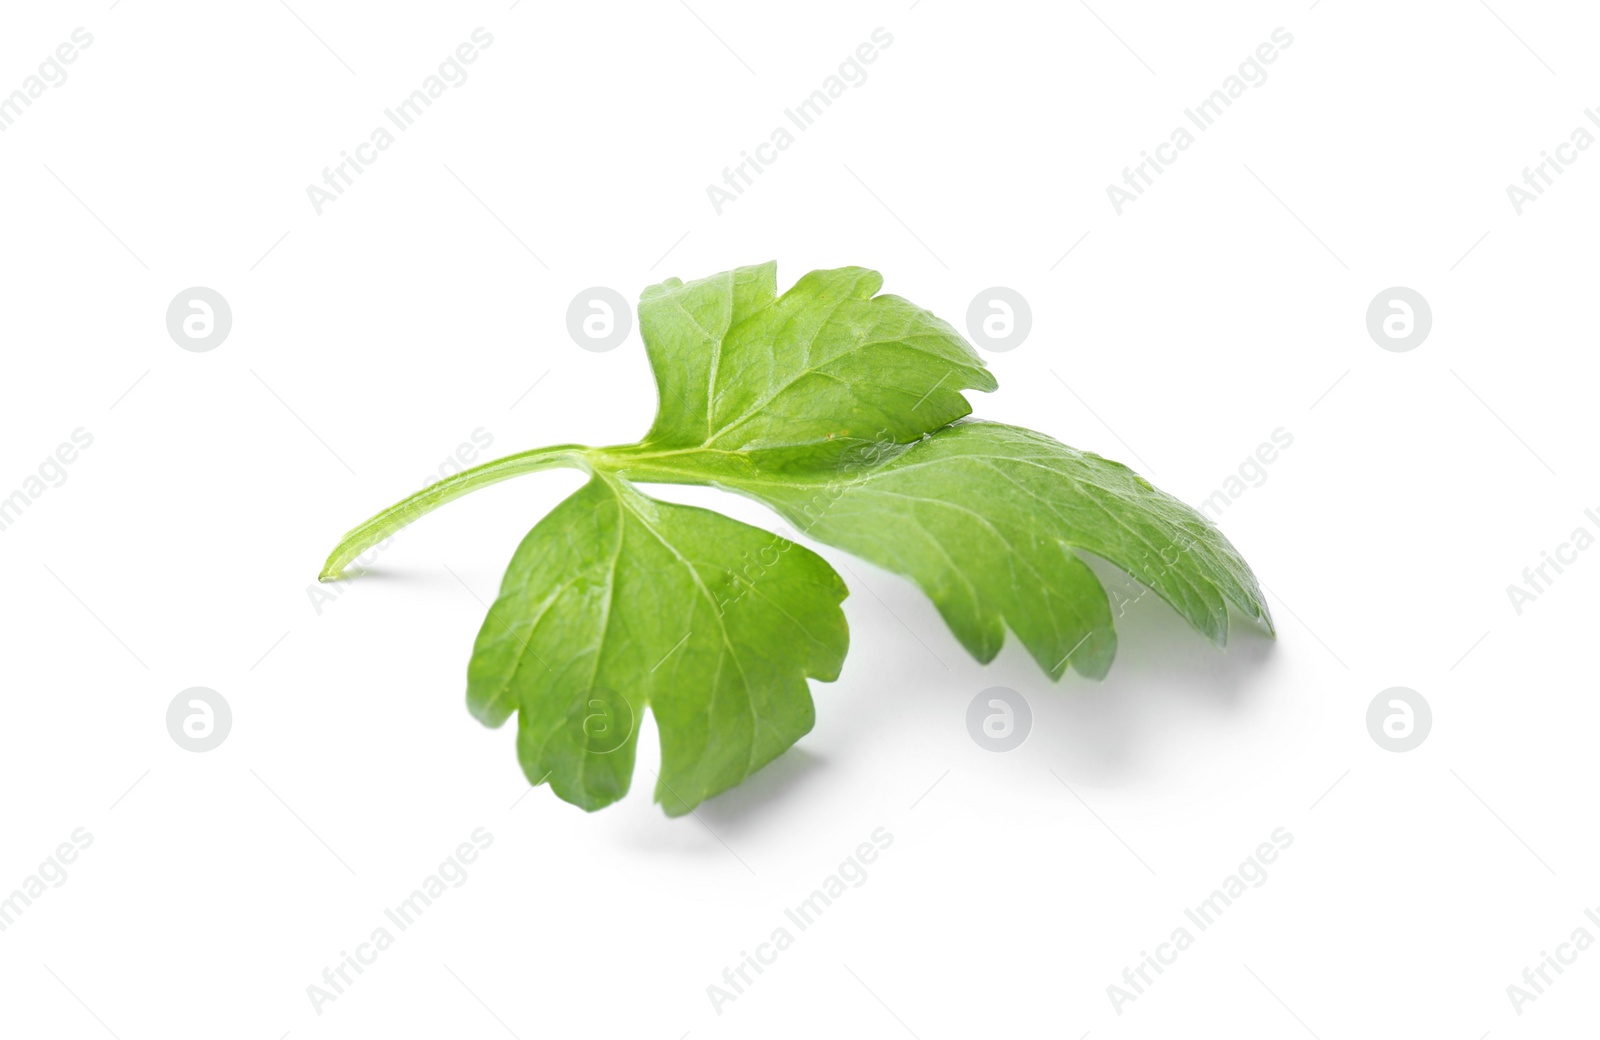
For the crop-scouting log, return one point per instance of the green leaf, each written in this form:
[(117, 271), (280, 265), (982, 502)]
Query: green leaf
[(989, 520), (616, 602), (843, 411), (801, 379)]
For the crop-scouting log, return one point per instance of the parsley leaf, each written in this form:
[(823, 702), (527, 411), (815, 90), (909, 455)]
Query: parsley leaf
[(616, 601), (805, 378), (987, 518), (843, 411)]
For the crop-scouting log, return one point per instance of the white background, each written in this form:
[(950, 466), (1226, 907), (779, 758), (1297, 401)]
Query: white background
[(369, 341)]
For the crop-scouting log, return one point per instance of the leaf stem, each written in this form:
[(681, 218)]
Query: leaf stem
[(397, 516)]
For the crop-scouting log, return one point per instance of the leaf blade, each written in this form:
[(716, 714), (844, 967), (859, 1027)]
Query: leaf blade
[(616, 603), (804, 378), (990, 520)]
